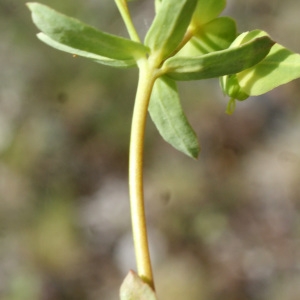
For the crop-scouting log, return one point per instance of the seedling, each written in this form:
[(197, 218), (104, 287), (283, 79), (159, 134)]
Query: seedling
[(187, 40)]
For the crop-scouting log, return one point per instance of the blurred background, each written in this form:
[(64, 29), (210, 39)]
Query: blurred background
[(226, 226)]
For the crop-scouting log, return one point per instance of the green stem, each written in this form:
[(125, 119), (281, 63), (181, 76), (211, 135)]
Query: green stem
[(136, 153), (124, 11)]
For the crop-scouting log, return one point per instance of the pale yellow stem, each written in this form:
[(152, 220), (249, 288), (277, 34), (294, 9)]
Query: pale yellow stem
[(139, 227)]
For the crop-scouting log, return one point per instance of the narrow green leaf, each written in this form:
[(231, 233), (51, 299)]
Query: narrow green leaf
[(218, 63), (75, 34), (133, 288), (279, 67), (168, 27), (216, 35), (169, 118), (206, 10), (97, 58)]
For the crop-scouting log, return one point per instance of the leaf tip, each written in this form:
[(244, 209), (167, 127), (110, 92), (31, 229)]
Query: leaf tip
[(195, 153), (30, 5)]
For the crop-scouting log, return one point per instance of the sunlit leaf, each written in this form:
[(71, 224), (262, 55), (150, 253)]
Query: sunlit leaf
[(169, 118), (229, 83), (97, 58), (75, 34), (216, 35), (279, 67), (157, 4), (133, 288), (168, 27), (206, 10), (218, 63)]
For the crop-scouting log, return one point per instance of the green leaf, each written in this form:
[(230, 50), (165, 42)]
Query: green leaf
[(97, 58), (75, 34), (229, 83), (216, 35), (218, 63), (279, 67), (168, 27), (157, 4), (133, 288), (206, 10), (169, 118)]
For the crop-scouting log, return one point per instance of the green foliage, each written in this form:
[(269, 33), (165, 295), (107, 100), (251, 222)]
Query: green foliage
[(70, 35), (215, 35), (218, 63), (169, 118), (186, 41), (248, 63), (278, 67), (207, 10), (169, 27), (75, 51)]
